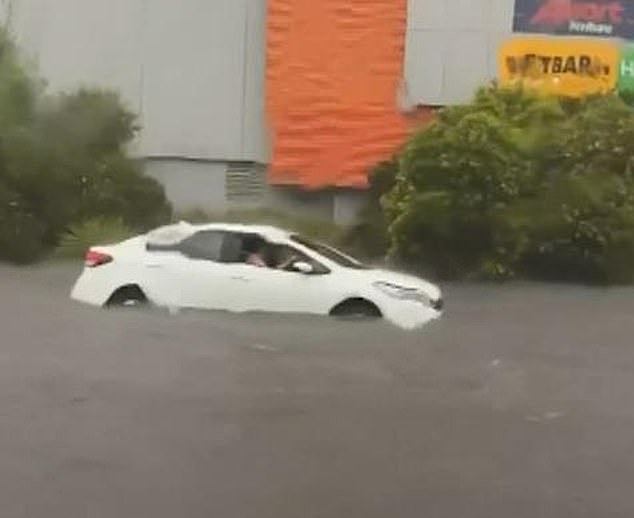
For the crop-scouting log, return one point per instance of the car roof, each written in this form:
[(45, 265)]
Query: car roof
[(184, 229), (267, 231)]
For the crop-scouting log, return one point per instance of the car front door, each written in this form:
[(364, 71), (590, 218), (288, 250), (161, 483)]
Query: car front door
[(281, 289)]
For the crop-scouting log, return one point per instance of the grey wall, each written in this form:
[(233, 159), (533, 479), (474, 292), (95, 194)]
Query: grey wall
[(307, 204), (452, 47), (347, 206), (256, 144), (202, 185), (192, 69), (191, 184)]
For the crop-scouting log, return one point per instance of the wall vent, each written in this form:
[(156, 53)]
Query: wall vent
[(245, 182)]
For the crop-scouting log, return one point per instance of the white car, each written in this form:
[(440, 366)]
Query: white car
[(243, 268)]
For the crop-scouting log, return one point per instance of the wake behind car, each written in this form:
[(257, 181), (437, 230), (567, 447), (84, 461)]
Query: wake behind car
[(244, 268)]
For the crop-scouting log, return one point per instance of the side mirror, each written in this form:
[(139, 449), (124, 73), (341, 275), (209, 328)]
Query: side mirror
[(303, 267)]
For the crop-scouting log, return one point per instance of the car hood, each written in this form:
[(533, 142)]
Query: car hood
[(403, 279)]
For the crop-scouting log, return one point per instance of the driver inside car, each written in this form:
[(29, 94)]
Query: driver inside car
[(256, 251), (284, 257), (267, 255), (255, 259)]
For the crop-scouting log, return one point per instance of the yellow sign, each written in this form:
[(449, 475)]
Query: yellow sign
[(568, 67)]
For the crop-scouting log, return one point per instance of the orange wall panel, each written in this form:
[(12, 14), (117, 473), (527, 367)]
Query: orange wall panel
[(333, 73)]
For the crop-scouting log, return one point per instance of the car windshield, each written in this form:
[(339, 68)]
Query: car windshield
[(330, 253)]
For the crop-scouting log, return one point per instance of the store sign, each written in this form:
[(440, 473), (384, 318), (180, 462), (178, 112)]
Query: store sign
[(607, 18), (563, 67), (626, 71)]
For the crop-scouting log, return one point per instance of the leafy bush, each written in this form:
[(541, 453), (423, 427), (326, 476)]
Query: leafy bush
[(583, 227), (63, 160), (98, 231), (369, 236), (585, 233), (21, 233), (458, 177), (519, 184)]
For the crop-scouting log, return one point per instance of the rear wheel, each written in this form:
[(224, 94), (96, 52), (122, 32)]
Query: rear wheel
[(127, 297), (356, 309)]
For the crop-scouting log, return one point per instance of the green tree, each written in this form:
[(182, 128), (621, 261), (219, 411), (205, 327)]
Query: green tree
[(583, 224), (516, 183), (63, 160), (369, 236), (458, 178)]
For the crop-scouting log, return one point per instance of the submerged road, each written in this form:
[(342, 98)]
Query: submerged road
[(518, 403)]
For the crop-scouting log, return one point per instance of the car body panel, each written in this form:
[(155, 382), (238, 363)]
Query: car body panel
[(170, 279)]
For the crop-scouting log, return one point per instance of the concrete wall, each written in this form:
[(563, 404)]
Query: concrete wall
[(191, 184), (307, 204), (347, 205), (202, 185), (452, 47), (256, 144), (192, 69)]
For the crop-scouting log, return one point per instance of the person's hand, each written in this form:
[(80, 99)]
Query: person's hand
[(286, 264), (256, 260)]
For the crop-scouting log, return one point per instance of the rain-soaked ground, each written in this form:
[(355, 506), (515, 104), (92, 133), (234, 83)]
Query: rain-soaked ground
[(518, 403)]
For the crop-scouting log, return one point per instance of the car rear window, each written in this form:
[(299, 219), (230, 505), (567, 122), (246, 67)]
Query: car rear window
[(206, 245)]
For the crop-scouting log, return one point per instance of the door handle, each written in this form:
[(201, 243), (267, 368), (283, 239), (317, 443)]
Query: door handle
[(240, 278), (154, 266)]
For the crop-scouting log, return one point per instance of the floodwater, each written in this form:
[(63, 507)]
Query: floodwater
[(516, 403)]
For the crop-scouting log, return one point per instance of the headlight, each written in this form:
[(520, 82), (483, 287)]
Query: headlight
[(402, 292)]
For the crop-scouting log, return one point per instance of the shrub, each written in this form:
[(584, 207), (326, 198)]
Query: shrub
[(458, 177), (63, 160), (582, 229), (519, 184), (369, 236), (98, 231), (21, 233)]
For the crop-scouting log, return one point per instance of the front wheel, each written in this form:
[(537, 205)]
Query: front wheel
[(356, 309), (127, 297)]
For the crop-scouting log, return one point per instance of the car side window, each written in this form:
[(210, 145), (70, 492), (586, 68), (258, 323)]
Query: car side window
[(232, 248), (283, 256), (205, 245), (238, 246)]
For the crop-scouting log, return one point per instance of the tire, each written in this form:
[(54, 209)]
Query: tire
[(127, 297), (356, 309)]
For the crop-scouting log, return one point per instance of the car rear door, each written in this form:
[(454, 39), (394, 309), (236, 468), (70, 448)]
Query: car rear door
[(190, 274)]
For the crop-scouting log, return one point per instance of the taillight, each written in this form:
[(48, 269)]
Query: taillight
[(94, 259)]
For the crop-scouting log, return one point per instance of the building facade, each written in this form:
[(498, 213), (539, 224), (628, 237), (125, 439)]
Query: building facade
[(290, 103), (452, 47), (192, 70), (286, 103), (566, 47)]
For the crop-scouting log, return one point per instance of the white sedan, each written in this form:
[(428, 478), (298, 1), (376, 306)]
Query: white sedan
[(243, 268)]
